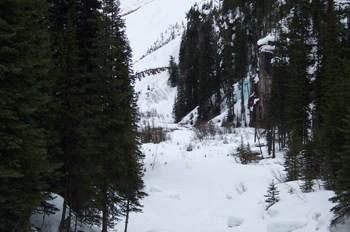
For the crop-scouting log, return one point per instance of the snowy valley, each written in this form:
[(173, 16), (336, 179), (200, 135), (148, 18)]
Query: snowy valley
[(193, 180)]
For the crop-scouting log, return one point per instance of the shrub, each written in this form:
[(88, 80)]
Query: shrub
[(272, 195), (244, 154), (152, 134)]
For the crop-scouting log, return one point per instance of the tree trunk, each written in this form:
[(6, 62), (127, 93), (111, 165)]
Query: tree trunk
[(104, 212), (127, 214)]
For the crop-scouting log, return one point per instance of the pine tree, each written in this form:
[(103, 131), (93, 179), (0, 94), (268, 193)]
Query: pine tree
[(311, 164), (332, 89), (179, 109), (188, 61), (73, 29), (173, 72), (272, 195), (118, 180), (293, 159), (25, 164), (342, 190), (207, 78), (275, 117)]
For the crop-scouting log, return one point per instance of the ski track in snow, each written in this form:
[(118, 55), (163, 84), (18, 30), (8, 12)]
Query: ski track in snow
[(136, 8), (218, 192)]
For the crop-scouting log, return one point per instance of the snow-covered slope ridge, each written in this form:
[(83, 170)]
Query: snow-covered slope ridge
[(149, 19)]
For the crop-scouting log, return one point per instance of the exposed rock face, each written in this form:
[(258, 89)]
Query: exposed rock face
[(260, 90)]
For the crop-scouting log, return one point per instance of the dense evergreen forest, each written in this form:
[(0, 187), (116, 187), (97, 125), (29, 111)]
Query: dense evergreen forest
[(295, 57), (67, 113)]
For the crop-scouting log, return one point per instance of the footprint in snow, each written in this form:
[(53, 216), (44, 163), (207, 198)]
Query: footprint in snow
[(234, 222)]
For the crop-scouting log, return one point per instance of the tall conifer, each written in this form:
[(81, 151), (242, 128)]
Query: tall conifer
[(25, 163), (113, 122)]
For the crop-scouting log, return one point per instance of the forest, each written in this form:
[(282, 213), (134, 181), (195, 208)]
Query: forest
[(68, 114)]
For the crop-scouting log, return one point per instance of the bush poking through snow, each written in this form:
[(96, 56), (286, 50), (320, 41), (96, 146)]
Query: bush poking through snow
[(272, 195), (245, 155), (152, 134), (279, 176), (154, 162), (241, 188)]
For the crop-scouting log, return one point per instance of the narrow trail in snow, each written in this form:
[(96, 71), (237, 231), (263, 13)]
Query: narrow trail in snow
[(218, 193)]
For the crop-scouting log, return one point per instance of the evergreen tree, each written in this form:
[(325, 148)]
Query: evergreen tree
[(311, 164), (226, 65), (180, 100), (73, 29), (333, 96), (293, 161), (272, 195), (25, 164), (207, 78), (276, 114), (113, 122), (342, 190), (173, 72)]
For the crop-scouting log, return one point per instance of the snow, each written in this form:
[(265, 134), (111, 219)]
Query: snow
[(265, 43), (151, 18), (194, 184), (199, 189), (52, 222), (266, 40)]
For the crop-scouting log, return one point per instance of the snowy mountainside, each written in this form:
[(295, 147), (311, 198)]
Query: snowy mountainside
[(193, 181)]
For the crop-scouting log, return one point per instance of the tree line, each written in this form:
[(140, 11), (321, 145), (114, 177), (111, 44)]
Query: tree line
[(68, 114), (307, 107)]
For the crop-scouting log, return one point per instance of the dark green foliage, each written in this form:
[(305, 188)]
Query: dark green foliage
[(288, 107), (207, 78), (97, 118), (293, 163), (173, 72), (114, 149), (342, 189), (276, 115), (25, 163), (73, 28), (311, 164), (188, 66), (272, 195), (199, 79), (334, 93)]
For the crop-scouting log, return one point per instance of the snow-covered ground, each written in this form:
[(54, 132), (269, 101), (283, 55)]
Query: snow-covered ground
[(193, 182)]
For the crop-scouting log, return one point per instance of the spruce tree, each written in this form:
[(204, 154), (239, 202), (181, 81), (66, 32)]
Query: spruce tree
[(173, 72), (272, 195), (342, 189), (73, 29), (332, 87), (25, 164), (207, 78), (113, 122)]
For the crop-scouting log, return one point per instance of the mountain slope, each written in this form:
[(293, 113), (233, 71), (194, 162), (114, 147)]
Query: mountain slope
[(193, 181)]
